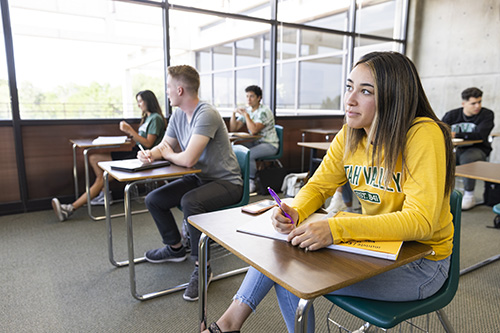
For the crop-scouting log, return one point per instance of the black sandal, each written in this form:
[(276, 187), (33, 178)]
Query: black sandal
[(214, 328)]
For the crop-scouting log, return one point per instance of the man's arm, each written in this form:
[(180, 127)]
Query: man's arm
[(253, 127), (189, 157), (234, 124)]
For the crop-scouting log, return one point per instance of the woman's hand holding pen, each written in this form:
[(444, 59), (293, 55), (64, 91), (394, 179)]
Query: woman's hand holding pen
[(312, 236), (282, 223)]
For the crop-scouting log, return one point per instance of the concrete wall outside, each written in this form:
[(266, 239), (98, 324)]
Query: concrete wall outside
[(455, 45)]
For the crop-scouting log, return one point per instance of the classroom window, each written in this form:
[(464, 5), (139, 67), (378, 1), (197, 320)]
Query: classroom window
[(75, 60), (5, 105)]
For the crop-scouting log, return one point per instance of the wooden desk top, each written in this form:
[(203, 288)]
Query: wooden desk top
[(320, 131), (168, 171), (87, 143), (466, 142), (495, 134), (315, 145), (482, 170), (305, 274)]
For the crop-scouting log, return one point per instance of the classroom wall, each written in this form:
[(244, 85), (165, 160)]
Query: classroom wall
[(454, 45)]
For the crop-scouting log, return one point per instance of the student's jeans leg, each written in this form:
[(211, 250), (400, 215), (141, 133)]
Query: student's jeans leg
[(160, 201), (469, 155), (258, 151), (208, 197), (255, 287)]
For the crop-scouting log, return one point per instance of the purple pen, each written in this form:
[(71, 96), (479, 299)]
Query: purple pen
[(278, 201)]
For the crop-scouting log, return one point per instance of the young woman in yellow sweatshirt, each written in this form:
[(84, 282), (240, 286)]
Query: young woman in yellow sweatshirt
[(398, 159)]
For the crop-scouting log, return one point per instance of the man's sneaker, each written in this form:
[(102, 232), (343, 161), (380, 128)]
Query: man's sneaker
[(166, 254), (62, 211), (191, 292), (468, 201), (99, 200)]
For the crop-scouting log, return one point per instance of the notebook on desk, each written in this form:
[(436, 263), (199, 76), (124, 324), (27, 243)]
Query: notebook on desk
[(134, 165)]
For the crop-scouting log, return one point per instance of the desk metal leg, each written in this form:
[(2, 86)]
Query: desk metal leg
[(480, 264), (108, 217), (87, 184), (75, 171), (130, 248), (302, 153), (301, 315), (203, 280)]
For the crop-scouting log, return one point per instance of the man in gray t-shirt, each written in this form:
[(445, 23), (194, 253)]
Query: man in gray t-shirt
[(196, 137)]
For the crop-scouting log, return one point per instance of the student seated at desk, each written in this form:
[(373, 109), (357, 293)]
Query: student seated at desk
[(196, 137), (390, 151), (260, 121), (150, 133), (471, 122)]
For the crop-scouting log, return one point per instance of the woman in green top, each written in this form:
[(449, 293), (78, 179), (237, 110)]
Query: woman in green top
[(150, 133)]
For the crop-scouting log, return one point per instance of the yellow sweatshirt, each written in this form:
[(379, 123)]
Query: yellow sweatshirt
[(412, 208)]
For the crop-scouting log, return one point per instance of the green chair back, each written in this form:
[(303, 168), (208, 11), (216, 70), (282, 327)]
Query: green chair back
[(279, 154), (388, 314), (243, 156)]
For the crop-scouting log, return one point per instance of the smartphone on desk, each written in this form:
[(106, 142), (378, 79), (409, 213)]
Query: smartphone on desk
[(258, 207)]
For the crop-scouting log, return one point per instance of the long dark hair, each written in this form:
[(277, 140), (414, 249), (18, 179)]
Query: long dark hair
[(400, 98), (152, 104)]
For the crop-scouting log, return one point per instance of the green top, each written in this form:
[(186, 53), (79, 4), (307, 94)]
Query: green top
[(154, 124)]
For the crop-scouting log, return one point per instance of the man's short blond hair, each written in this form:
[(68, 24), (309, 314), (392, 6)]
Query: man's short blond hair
[(186, 76)]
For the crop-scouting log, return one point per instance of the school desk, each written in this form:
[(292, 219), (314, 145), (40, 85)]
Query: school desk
[(87, 145), (485, 171), (305, 274), (133, 178), (328, 133)]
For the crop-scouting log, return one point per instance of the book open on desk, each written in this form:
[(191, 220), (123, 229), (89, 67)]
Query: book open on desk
[(134, 165), (262, 226), (109, 140)]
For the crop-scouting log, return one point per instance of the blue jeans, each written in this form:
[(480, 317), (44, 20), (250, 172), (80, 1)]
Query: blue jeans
[(258, 150), (416, 280), (195, 197), (468, 155)]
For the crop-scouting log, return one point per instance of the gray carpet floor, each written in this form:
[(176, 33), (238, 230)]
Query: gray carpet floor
[(56, 277)]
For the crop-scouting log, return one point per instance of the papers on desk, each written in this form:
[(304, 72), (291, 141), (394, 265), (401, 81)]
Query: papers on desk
[(262, 226), (454, 140), (109, 140), (134, 165)]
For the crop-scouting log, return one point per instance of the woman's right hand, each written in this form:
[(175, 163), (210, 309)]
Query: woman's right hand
[(282, 223)]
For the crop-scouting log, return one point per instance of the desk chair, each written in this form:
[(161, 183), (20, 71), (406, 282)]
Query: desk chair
[(243, 156), (389, 314), (279, 154)]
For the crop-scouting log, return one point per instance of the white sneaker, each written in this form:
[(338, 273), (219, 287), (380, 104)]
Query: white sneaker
[(63, 212), (99, 200), (336, 204), (253, 187), (468, 201)]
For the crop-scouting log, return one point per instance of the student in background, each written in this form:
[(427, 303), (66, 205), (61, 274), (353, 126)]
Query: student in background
[(196, 137), (150, 133), (398, 158), (471, 122), (260, 121)]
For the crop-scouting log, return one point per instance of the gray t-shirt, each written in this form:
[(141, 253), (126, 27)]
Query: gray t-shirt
[(218, 160)]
